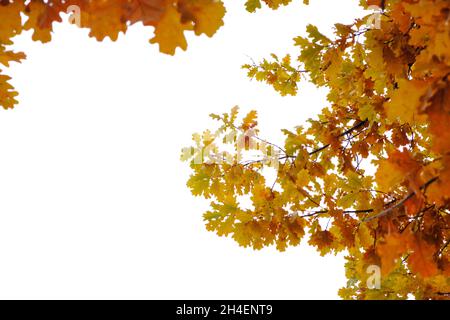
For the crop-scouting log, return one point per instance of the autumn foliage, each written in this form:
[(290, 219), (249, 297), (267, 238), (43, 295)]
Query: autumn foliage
[(104, 18), (369, 176)]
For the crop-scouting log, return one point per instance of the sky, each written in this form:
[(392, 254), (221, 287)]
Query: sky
[(93, 196)]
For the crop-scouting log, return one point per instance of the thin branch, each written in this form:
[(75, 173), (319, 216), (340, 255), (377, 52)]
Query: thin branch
[(313, 213), (420, 214), (319, 149), (358, 125)]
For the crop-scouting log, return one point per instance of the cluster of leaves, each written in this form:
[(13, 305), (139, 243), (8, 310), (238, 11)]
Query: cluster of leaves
[(104, 18), (253, 5), (371, 175), (279, 73)]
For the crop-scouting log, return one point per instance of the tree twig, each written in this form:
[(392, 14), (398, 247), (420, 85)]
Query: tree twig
[(401, 203), (358, 125)]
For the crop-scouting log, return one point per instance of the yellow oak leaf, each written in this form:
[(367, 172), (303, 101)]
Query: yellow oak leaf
[(365, 238), (169, 32), (10, 21), (303, 178), (104, 18), (7, 93), (387, 176), (405, 103), (249, 120), (394, 170), (207, 15)]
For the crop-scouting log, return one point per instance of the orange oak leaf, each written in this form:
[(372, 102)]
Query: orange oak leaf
[(392, 248)]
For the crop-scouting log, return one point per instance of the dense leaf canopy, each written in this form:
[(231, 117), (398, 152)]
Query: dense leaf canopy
[(370, 175)]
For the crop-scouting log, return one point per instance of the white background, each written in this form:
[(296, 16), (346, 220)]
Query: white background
[(93, 202)]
